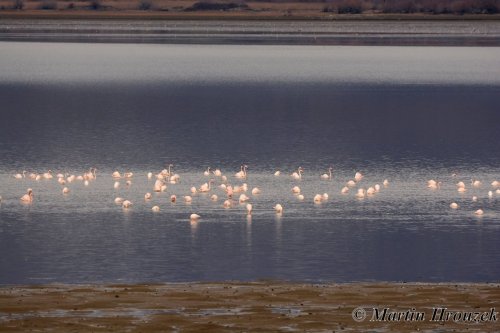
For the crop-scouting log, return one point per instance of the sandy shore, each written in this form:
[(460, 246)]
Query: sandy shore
[(241, 307)]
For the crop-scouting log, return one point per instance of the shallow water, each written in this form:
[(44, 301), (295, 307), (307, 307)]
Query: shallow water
[(406, 114)]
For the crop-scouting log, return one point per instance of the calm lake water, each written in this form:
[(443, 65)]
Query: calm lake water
[(406, 114)]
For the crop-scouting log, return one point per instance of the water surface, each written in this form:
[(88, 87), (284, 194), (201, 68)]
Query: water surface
[(406, 114)]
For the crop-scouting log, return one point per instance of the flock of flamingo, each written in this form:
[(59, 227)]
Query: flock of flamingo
[(461, 188), (167, 176)]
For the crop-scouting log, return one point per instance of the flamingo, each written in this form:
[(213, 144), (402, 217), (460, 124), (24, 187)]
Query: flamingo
[(116, 174), (174, 178), (361, 193), (351, 183), (116, 185), (370, 191), (317, 198), (206, 187), (155, 209), (214, 197), (150, 175), (65, 190), (476, 183), (207, 172), (217, 173), (453, 205), (329, 175), (298, 173), (243, 198), (118, 200), (300, 197), (344, 190), (127, 204), (173, 198), (385, 183), (188, 198), (48, 175), (158, 185), (358, 176), (229, 191), (165, 172), (296, 190), (434, 185), (249, 209), (278, 208), (255, 191), (20, 176), (242, 173), (479, 212), (227, 203), (277, 173), (325, 196), (147, 196), (194, 217), (28, 197)]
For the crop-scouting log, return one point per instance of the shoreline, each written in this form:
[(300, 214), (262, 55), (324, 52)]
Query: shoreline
[(240, 30), (234, 16), (240, 306)]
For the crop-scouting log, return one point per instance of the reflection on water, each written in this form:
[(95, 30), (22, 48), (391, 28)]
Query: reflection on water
[(419, 126)]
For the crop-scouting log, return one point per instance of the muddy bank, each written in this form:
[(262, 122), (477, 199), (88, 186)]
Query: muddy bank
[(250, 307)]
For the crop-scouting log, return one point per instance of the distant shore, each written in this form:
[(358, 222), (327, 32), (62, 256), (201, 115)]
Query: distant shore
[(235, 306), (275, 13), (202, 28)]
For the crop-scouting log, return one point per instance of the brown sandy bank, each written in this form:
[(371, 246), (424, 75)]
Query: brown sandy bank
[(243, 307)]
